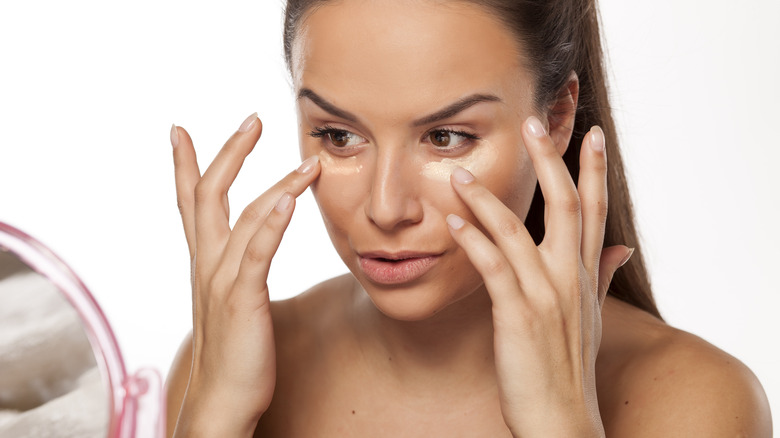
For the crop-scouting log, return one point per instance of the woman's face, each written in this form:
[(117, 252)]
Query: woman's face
[(392, 95)]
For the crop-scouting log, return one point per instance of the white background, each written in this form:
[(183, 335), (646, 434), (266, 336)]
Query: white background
[(89, 89)]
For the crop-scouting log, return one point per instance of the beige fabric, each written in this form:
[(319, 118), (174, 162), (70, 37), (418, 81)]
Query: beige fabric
[(49, 383)]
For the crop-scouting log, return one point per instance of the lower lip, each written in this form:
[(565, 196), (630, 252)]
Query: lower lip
[(396, 272)]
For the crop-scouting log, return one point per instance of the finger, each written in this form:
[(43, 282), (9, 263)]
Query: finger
[(560, 195), (592, 189), (212, 226), (506, 229), (496, 271), (251, 281), (187, 175), (612, 259), (255, 214)]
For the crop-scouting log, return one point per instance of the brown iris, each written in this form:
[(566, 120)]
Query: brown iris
[(440, 138), (339, 138)]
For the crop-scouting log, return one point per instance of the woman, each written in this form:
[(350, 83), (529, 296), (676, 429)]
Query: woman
[(475, 306)]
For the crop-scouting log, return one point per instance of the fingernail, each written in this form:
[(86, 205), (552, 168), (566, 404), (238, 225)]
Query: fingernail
[(455, 222), (248, 123), (174, 136), (308, 164), (462, 175), (625, 260), (284, 202), (597, 139), (535, 127)]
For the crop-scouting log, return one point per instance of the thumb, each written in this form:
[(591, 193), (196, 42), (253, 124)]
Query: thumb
[(612, 259)]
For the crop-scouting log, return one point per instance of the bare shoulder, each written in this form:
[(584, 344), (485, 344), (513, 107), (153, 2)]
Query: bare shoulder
[(301, 323), (314, 308), (309, 330), (655, 380), (176, 383)]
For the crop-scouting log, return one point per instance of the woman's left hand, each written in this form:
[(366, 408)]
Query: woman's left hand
[(546, 299)]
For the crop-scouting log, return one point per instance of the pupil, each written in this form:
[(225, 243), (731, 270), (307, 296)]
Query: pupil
[(441, 138), (338, 138)]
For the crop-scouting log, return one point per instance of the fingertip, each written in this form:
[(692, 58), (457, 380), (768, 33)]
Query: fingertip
[(596, 139), (535, 127), (626, 257), (462, 176), (181, 135), (174, 136), (249, 123), (308, 165), (455, 222)]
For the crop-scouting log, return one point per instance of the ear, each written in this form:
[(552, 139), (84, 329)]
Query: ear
[(560, 116)]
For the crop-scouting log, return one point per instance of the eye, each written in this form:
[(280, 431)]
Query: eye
[(339, 138), (447, 138)]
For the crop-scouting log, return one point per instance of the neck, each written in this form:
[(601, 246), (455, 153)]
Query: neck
[(454, 346)]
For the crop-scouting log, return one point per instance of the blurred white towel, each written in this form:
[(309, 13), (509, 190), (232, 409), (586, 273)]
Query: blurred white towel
[(49, 382)]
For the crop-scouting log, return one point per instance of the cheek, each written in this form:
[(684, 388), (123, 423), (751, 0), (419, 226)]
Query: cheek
[(340, 191), (512, 180), (346, 166), (502, 165), (478, 162)]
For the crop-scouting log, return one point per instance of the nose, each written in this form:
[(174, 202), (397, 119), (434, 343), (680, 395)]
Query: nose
[(394, 199)]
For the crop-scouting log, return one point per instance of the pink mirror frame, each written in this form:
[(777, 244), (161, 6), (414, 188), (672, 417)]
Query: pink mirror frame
[(135, 401)]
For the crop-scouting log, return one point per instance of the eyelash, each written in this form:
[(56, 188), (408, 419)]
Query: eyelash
[(324, 131), (319, 132)]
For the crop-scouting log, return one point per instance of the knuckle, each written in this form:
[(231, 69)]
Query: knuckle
[(494, 266), (181, 206), (202, 192), (250, 216), (207, 190), (233, 305), (510, 227), (599, 208), (570, 204), (550, 303), (255, 253), (217, 284)]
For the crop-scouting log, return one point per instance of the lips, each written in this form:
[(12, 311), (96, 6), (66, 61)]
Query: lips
[(396, 268)]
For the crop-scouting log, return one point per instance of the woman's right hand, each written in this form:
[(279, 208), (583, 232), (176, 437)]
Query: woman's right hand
[(234, 360)]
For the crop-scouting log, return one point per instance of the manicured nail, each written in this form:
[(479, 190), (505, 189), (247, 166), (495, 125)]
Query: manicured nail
[(308, 164), (462, 175), (174, 136), (597, 139), (455, 222), (625, 260), (248, 123), (535, 127), (284, 202)]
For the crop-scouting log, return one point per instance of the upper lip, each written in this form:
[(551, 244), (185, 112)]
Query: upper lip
[(399, 255)]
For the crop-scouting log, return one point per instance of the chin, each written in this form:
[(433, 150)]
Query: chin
[(417, 302)]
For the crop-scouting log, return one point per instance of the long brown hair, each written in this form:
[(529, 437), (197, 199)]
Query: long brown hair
[(560, 36)]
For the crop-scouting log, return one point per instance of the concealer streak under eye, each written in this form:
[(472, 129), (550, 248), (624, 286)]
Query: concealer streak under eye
[(341, 166), (477, 162)]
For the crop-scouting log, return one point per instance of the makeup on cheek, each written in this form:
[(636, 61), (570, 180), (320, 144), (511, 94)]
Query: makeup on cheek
[(339, 166), (477, 162)]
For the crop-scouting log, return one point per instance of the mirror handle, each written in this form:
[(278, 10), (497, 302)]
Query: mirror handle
[(143, 414)]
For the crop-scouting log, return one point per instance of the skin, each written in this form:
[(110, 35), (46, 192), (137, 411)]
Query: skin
[(500, 337)]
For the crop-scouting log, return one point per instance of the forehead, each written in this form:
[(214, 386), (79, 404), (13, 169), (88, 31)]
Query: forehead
[(412, 50)]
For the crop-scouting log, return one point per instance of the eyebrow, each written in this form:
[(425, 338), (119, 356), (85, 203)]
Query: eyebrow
[(444, 113), (325, 105)]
